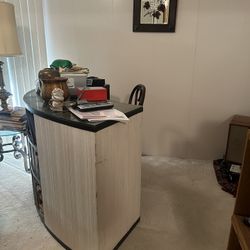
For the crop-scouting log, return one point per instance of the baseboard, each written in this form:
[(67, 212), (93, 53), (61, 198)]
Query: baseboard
[(115, 248)]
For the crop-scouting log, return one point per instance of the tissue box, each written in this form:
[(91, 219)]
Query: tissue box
[(92, 94)]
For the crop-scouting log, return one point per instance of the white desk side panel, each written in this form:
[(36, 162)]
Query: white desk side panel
[(118, 169), (67, 168)]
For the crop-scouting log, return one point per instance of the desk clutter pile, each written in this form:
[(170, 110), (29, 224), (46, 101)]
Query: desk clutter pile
[(14, 120), (66, 86)]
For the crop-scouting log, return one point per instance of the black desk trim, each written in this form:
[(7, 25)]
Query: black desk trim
[(36, 105)]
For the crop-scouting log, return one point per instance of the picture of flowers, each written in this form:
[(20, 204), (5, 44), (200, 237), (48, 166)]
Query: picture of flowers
[(154, 15), (154, 11)]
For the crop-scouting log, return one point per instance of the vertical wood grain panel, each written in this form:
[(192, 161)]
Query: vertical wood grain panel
[(67, 165), (118, 169), (242, 203)]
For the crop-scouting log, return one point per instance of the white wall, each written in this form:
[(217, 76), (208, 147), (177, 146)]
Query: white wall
[(197, 78)]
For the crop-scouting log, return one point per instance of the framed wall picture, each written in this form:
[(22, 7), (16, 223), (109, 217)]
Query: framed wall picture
[(154, 15)]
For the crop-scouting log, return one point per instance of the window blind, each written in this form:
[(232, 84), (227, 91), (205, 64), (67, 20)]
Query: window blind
[(20, 72)]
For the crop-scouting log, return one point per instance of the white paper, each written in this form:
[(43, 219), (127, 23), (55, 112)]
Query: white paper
[(235, 168), (100, 115)]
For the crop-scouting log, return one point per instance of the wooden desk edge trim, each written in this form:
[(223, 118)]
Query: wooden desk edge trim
[(242, 231)]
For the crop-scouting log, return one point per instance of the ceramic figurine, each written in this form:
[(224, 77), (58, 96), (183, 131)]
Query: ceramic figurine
[(57, 99)]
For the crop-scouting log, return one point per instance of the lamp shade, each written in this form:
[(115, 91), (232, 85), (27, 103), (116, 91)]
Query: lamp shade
[(9, 45)]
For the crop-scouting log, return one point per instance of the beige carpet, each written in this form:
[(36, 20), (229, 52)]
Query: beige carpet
[(182, 208)]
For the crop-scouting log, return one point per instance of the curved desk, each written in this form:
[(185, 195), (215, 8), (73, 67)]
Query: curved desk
[(90, 175)]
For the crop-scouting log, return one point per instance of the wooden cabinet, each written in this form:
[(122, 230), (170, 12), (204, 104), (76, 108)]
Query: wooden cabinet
[(236, 141), (86, 175), (91, 181), (240, 233)]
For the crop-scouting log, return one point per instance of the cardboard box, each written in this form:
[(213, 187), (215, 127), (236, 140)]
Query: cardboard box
[(74, 81)]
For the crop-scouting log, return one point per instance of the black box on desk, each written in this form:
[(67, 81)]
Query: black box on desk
[(93, 81)]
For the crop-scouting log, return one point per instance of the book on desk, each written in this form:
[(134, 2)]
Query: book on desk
[(13, 120)]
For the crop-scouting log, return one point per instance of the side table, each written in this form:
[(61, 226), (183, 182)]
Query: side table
[(237, 137), (13, 125)]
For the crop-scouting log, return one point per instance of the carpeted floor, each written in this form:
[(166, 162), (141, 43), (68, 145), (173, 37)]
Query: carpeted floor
[(183, 207)]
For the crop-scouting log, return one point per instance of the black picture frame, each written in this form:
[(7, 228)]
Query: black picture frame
[(146, 27)]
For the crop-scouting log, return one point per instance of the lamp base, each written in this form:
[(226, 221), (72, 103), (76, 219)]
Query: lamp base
[(4, 94)]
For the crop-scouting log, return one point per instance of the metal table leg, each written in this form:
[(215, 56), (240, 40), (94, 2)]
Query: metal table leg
[(1, 149), (20, 149)]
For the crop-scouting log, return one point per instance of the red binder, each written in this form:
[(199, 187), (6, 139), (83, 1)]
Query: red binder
[(92, 94)]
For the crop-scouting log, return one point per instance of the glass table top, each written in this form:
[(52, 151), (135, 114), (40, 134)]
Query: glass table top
[(8, 133)]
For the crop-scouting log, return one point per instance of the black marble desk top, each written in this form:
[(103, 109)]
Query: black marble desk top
[(36, 105)]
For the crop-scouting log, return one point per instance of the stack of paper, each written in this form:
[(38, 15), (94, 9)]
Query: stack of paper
[(100, 115), (14, 120)]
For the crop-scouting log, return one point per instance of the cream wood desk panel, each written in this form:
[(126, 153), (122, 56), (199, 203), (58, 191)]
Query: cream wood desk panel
[(118, 168), (67, 169), (91, 182)]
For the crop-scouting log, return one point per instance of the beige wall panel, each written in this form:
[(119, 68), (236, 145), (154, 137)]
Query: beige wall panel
[(118, 152), (67, 165), (197, 78)]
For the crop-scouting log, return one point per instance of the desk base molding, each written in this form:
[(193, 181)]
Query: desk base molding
[(115, 248)]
